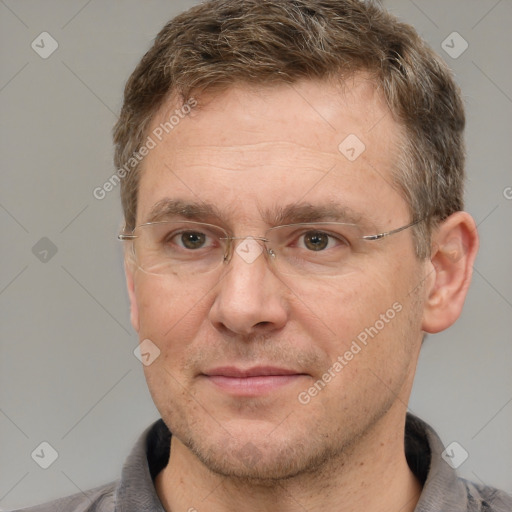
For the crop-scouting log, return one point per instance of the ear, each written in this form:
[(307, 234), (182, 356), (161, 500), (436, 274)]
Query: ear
[(454, 249), (129, 270)]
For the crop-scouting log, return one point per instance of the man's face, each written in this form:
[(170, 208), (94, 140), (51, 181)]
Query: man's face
[(249, 152)]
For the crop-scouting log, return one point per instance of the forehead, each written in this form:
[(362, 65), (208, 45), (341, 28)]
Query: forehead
[(251, 145), (302, 113)]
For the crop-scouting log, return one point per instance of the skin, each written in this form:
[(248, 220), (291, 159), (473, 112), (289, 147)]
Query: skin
[(247, 150)]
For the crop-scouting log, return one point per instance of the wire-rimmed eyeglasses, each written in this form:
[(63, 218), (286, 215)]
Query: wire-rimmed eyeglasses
[(187, 248)]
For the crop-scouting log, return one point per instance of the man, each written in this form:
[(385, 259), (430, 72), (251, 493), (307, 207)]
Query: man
[(292, 177)]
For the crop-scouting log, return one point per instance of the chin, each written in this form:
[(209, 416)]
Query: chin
[(259, 460)]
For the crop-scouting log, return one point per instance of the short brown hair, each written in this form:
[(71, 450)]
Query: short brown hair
[(223, 42)]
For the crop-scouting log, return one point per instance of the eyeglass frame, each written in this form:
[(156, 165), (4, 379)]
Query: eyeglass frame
[(228, 254)]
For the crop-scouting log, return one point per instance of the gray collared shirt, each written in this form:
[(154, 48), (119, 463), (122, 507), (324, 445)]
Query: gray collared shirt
[(443, 490)]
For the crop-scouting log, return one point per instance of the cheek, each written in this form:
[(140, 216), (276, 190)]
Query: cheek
[(344, 306), (169, 316), (364, 317)]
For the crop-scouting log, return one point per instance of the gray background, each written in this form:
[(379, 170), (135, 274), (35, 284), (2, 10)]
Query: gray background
[(68, 373)]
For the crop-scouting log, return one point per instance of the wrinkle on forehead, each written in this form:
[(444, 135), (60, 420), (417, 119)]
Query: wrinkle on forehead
[(240, 157), (232, 130)]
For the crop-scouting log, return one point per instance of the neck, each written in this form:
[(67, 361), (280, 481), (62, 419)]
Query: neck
[(371, 475)]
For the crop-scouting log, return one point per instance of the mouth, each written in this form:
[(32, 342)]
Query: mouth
[(251, 382)]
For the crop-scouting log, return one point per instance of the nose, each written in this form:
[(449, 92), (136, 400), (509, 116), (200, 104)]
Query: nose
[(250, 299)]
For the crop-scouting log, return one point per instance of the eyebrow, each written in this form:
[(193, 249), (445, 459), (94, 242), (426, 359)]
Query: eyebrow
[(167, 208), (307, 212), (290, 214)]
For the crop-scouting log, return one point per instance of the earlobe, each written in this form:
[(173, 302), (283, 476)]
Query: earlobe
[(454, 249), (129, 270)]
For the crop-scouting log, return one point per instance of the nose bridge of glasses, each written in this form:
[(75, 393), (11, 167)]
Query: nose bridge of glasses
[(247, 247)]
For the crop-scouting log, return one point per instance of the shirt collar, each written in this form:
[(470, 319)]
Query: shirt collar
[(136, 491), (442, 490)]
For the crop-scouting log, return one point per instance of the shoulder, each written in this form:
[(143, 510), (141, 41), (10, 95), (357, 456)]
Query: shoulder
[(134, 490), (443, 489), (100, 499), (481, 498)]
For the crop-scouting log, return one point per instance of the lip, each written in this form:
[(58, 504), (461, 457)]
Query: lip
[(255, 381), (256, 371)]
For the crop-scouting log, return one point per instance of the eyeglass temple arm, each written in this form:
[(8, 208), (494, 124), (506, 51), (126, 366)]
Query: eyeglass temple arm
[(392, 232)]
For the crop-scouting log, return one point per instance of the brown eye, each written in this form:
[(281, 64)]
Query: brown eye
[(192, 239), (316, 240)]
